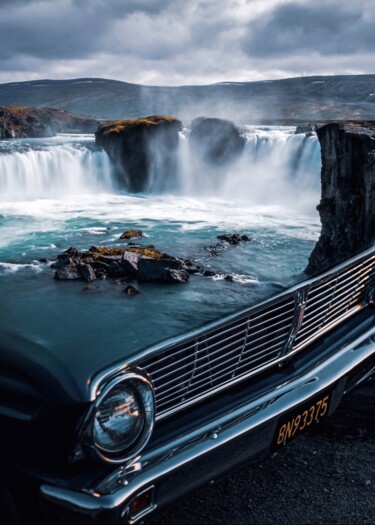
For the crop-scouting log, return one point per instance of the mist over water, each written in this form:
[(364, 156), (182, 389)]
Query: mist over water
[(61, 192), (276, 168)]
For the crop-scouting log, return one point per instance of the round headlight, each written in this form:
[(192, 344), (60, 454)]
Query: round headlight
[(124, 417)]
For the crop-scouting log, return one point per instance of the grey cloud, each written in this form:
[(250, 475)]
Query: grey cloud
[(121, 8), (75, 29), (328, 29), (182, 42), (45, 32), (15, 3)]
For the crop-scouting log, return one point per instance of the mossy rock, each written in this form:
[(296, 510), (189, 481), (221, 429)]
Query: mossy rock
[(140, 147)]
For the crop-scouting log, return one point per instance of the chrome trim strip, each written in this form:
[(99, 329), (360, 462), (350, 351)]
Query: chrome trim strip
[(155, 464), (326, 329)]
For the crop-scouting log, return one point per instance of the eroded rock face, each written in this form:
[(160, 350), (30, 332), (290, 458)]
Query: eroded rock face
[(347, 206), (137, 147), (216, 141), (30, 122)]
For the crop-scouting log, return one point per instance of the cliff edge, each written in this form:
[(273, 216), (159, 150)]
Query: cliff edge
[(30, 122), (347, 205)]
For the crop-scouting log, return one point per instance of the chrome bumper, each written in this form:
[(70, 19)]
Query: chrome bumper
[(242, 434)]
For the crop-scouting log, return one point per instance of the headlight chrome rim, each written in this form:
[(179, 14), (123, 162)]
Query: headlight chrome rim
[(145, 393)]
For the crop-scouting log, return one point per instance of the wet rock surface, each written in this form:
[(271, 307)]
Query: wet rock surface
[(31, 122), (163, 270), (215, 140), (225, 240), (131, 290), (325, 476), (134, 146), (144, 263), (234, 238), (347, 205), (132, 234)]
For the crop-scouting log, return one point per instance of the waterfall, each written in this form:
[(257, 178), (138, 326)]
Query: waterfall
[(52, 170), (276, 167)]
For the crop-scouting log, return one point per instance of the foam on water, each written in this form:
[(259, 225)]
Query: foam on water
[(61, 192)]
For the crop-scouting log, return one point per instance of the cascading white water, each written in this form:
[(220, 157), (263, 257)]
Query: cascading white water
[(276, 167), (53, 170), (61, 192)]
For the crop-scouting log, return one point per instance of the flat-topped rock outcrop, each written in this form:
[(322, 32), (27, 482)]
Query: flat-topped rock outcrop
[(140, 147), (216, 141)]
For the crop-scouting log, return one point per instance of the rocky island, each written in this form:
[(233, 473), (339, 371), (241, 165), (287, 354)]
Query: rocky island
[(216, 141), (31, 122), (137, 147)]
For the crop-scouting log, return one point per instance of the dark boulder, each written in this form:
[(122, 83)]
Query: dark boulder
[(131, 290), (231, 238), (162, 270), (116, 270), (216, 141), (70, 252), (347, 205), (209, 273), (68, 273), (177, 276), (130, 262), (246, 238), (139, 147), (132, 234), (63, 262), (234, 238), (100, 265), (87, 272)]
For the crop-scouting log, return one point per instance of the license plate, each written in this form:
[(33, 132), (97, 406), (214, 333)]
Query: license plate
[(297, 421)]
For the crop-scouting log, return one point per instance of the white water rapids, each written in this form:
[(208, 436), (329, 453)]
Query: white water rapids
[(62, 192), (275, 168)]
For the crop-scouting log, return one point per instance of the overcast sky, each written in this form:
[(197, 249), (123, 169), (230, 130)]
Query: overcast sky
[(174, 42)]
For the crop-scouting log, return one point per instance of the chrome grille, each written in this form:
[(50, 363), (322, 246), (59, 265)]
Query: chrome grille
[(334, 298), (217, 357), (224, 353)]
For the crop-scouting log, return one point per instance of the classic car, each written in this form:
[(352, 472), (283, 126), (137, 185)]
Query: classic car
[(113, 437)]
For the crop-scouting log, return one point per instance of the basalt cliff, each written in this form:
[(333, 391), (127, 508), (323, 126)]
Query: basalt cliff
[(31, 122), (347, 205), (140, 146)]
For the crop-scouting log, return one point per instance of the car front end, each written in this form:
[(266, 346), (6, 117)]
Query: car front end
[(183, 413)]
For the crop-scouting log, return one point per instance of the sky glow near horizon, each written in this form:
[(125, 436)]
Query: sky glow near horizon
[(174, 42)]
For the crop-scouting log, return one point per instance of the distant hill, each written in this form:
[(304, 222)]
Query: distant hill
[(294, 99)]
